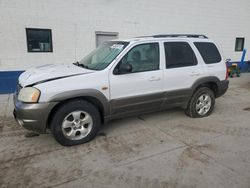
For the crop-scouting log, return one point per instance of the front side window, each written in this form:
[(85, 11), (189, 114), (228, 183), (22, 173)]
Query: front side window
[(102, 56), (179, 54), (39, 40), (209, 52), (143, 57)]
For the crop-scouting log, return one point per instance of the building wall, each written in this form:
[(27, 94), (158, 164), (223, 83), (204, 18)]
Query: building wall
[(75, 22)]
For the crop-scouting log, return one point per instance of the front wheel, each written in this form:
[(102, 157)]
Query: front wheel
[(201, 103), (75, 122)]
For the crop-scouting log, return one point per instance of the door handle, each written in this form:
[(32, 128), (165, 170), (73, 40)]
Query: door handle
[(154, 78), (194, 74)]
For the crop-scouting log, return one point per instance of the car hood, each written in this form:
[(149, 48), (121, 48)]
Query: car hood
[(50, 72)]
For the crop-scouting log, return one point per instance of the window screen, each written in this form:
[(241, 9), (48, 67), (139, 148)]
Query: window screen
[(239, 44), (39, 40), (209, 52), (179, 54)]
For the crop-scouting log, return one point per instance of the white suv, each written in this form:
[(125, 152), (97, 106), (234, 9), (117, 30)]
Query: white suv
[(121, 78)]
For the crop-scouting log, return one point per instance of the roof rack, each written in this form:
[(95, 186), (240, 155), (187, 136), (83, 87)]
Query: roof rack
[(180, 35)]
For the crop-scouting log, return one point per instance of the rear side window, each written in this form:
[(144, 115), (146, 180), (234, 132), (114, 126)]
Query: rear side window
[(179, 54), (209, 52)]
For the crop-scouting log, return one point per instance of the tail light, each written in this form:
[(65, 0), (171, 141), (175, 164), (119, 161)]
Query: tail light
[(227, 69)]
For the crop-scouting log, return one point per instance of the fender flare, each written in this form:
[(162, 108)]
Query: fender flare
[(83, 93), (204, 80)]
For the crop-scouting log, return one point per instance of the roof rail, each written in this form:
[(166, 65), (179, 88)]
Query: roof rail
[(180, 35)]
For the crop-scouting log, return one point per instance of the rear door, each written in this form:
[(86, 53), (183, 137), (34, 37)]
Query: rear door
[(182, 69)]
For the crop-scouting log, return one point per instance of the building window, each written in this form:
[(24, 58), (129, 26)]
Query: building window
[(239, 44), (39, 40), (103, 36)]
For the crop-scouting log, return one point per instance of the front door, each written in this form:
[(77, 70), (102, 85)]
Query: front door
[(140, 90)]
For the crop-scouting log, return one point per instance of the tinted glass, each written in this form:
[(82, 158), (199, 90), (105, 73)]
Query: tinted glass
[(209, 52), (179, 54), (144, 57), (39, 40)]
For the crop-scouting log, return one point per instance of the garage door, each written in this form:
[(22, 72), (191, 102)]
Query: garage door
[(105, 36)]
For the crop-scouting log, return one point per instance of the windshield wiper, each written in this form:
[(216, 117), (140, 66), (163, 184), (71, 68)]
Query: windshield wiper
[(84, 66), (81, 65), (76, 63)]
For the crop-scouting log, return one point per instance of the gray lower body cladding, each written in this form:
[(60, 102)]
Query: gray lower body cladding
[(33, 116), (137, 105), (222, 88)]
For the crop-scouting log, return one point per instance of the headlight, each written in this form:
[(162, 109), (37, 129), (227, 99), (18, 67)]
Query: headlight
[(29, 94)]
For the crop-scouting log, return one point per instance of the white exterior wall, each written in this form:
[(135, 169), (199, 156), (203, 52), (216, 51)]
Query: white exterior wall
[(74, 23)]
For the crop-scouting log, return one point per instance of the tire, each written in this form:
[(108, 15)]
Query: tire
[(196, 107), (75, 122)]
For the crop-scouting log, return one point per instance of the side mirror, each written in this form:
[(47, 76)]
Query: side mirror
[(125, 68)]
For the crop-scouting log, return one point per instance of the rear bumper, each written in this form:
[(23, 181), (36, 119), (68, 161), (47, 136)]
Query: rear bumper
[(222, 87), (32, 116)]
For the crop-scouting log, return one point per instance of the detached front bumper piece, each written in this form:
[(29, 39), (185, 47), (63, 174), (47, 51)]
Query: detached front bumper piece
[(32, 116)]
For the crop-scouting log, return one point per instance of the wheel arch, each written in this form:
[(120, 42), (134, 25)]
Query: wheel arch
[(210, 82), (94, 97)]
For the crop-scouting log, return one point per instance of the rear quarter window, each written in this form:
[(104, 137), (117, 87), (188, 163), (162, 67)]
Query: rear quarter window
[(209, 52)]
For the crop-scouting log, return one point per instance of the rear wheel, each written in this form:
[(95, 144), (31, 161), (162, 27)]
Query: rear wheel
[(75, 122), (201, 103)]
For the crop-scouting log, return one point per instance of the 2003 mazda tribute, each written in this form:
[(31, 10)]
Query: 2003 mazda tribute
[(121, 78)]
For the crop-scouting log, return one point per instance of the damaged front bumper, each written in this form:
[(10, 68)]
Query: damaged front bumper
[(32, 116)]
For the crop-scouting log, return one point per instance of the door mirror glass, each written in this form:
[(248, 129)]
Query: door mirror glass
[(124, 68)]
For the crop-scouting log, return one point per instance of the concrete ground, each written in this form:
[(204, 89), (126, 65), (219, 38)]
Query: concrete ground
[(6, 105), (166, 149)]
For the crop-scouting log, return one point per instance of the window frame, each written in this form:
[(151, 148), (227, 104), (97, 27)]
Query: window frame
[(242, 46), (131, 48), (39, 29), (190, 46)]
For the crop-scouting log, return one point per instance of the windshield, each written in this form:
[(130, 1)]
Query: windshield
[(102, 56)]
